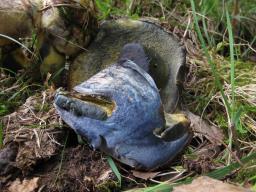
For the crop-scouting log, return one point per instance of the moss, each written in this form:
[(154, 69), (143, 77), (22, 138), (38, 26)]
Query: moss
[(108, 186)]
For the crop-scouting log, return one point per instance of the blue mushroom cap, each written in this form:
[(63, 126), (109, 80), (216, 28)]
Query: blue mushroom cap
[(118, 109)]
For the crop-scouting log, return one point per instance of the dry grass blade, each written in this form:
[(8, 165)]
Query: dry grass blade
[(19, 43)]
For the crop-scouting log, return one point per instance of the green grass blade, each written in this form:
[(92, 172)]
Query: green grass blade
[(232, 64), (21, 90), (163, 187), (19, 43), (115, 170), (206, 32), (221, 173), (212, 65), (7, 70)]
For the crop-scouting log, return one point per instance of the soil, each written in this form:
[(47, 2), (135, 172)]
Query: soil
[(48, 153), (79, 169)]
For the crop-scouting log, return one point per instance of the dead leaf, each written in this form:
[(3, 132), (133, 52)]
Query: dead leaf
[(145, 175), (25, 185), (212, 133), (106, 175), (207, 184), (202, 160)]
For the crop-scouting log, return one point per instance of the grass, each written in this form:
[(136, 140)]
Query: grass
[(14, 90), (234, 108), (230, 106), (217, 174), (19, 43), (104, 7), (232, 65), (115, 170), (233, 112), (107, 8), (220, 94), (218, 83)]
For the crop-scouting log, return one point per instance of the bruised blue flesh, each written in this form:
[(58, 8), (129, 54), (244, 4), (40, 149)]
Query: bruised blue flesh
[(135, 53), (127, 133)]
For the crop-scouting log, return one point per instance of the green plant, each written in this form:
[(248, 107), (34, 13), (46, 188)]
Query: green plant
[(107, 9), (104, 7), (115, 170)]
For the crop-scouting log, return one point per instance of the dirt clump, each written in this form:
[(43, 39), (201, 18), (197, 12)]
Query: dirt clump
[(79, 169)]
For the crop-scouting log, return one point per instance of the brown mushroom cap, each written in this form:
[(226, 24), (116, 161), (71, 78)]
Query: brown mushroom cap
[(166, 55)]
